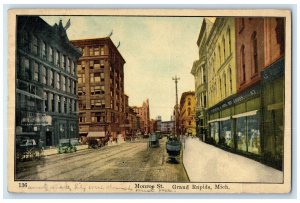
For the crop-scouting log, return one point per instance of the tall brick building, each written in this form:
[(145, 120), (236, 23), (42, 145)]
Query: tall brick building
[(100, 73), (144, 114)]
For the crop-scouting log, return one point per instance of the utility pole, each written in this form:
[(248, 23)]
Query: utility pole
[(176, 106)]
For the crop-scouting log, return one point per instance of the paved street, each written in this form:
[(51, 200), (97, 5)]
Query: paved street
[(132, 161)]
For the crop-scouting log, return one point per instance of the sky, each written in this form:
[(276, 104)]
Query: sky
[(155, 50)]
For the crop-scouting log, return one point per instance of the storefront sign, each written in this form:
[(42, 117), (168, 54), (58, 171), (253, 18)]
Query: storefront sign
[(236, 99), (273, 71)]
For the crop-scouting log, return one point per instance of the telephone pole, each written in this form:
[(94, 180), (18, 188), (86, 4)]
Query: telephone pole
[(176, 106)]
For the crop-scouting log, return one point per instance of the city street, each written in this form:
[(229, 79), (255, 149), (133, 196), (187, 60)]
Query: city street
[(130, 161)]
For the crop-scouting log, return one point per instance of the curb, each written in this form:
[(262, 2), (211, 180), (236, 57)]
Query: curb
[(184, 166)]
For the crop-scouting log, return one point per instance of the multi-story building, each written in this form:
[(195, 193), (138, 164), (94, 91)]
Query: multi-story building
[(167, 127), (100, 72), (221, 77), (199, 70), (144, 115), (250, 122), (46, 101), (187, 123)]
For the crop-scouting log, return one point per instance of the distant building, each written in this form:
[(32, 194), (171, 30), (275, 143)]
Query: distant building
[(46, 82), (100, 73), (144, 115), (167, 127), (187, 123)]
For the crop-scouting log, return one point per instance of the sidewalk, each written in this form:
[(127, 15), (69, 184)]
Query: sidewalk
[(48, 152), (206, 163)]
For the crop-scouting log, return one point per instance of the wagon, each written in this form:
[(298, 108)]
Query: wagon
[(153, 141)]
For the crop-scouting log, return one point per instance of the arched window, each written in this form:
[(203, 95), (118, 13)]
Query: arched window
[(243, 65), (225, 82), (230, 80), (254, 52), (220, 59), (229, 40), (224, 47)]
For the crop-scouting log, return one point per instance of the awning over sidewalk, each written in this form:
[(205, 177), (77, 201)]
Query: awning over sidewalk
[(96, 134)]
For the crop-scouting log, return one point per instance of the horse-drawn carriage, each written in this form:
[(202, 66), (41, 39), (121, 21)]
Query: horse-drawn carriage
[(97, 140)]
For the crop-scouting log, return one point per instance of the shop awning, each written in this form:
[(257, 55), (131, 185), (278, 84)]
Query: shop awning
[(249, 113), (219, 119), (96, 134)]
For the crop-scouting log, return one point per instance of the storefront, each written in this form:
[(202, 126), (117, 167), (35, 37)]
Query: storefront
[(234, 124)]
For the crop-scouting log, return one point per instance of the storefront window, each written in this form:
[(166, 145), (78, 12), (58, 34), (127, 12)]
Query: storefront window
[(253, 134), (241, 133), (214, 131), (226, 136)]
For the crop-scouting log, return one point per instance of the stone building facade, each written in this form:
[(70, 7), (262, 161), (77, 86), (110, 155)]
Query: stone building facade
[(46, 82)]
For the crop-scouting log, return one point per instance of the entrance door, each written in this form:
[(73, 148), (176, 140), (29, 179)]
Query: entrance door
[(48, 138)]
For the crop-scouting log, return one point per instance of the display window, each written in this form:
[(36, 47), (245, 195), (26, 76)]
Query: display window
[(253, 135), (214, 131), (226, 135), (241, 133)]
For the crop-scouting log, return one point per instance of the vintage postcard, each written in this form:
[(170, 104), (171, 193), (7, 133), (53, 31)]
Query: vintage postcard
[(149, 101)]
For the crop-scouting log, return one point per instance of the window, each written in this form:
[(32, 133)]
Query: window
[(81, 78), (44, 51), (57, 55), (97, 77), (224, 48), (253, 135), (44, 75), (91, 51), (81, 91), (68, 85), (230, 80), (225, 84), (229, 40), (51, 54), (36, 71), (79, 65), (97, 51), (254, 52), (63, 83), (26, 41), (82, 65), (51, 77), (73, 67), (226, 136), (82, 118), (82, 104), (241, 133), (46, 102), (214, 131), (58, 104), (52, 102), (102, 77), (97, 64), (69, 62), (64, 61), (101, 50), (102, 63), (91, 64), (243, 65), (241, 24), (57, 81), (65, 104), (220, 57), (91, 77), (35, 46), (83, 51)]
